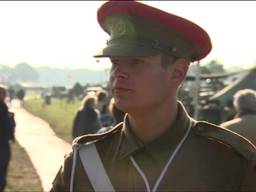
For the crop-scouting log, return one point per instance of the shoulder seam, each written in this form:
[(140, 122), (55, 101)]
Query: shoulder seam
[(91, 138), (237, 142)]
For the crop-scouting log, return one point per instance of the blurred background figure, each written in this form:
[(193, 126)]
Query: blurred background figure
[(20, 95), (117, 116), (11, 94), (102, 105), (86, 120), (7, 125), (245, 119)]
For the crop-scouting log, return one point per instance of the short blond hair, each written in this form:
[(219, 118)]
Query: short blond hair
[(87, 101)]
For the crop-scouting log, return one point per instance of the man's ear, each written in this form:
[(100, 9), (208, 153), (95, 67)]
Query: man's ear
[(179, 70)]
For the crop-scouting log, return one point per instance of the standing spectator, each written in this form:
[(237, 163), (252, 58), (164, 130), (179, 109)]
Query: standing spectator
[(7, 125), (245, 119), (11, 93), (86, 120), (117, 116), (21, 94), (102, 105)]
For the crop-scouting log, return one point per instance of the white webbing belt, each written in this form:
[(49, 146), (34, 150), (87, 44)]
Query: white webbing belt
[(94, 168)]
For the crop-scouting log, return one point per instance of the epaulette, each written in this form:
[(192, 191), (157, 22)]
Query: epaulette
[(91, 138), (240, 144)]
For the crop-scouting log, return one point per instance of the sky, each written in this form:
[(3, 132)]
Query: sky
[(65, 34)]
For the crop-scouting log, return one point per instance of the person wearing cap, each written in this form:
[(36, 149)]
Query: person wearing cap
[(158, 147)]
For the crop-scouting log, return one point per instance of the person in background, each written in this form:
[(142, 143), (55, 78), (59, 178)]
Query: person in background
[(244, 122), (158, 147), (86, 120), (117, 116), (20, 95), (11, 94), (7, 125), (102, 105)]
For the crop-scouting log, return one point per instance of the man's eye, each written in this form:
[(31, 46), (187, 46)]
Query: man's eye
[(114, 62)]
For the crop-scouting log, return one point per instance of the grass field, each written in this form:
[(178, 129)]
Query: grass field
[(58, 114), (22, 175)]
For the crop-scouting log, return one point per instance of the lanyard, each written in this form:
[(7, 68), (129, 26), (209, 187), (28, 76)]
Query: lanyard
[(159, 179)]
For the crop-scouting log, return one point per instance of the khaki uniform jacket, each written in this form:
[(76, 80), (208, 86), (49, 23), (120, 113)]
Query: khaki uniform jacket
[(244, 125), (210, 159)]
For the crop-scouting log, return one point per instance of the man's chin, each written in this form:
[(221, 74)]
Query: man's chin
[(123, 104)]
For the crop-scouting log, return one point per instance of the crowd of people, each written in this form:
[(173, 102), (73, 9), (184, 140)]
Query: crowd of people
[(96, 114), (16, 93)]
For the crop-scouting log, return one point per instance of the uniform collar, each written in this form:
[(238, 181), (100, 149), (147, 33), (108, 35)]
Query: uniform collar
[(128, 141), (161, 147)]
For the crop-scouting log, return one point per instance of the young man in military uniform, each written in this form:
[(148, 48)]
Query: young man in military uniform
[(158, 147)]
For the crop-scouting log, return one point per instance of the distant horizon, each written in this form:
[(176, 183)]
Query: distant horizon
[(58, 67), (227, 68)]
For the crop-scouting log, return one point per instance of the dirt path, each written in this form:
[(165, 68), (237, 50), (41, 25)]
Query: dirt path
[(44, 148)]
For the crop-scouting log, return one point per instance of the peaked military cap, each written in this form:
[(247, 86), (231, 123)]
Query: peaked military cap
[(137, 29)]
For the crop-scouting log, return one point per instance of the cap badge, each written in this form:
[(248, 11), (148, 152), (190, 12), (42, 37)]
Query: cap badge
[(118, 29)]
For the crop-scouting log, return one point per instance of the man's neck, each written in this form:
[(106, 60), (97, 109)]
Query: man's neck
[(151, 124)]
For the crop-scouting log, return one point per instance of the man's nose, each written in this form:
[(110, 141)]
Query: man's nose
[(120, 71)]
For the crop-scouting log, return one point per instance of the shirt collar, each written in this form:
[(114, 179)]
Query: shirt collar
[(161, 147)]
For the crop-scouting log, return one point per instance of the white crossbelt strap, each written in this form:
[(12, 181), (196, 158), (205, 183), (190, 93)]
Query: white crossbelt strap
[(94, 168)]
